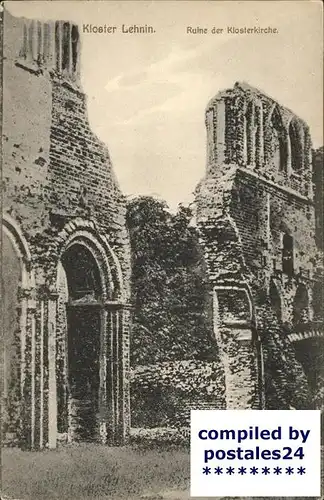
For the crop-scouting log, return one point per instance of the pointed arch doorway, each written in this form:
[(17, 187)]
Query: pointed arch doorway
[(91, 380), (83, 328)]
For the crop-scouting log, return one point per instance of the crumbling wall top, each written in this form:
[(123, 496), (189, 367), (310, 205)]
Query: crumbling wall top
[(41, 46), (250, 93)]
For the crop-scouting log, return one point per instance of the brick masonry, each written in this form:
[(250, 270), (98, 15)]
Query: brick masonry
[(259, 223), (61, 202), (256, 217)]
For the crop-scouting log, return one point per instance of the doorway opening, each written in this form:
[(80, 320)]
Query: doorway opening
[(82, 346)]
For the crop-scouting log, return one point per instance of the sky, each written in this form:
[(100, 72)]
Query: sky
[(147, 93)]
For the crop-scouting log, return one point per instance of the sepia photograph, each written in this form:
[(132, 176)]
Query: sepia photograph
[(162, 236)]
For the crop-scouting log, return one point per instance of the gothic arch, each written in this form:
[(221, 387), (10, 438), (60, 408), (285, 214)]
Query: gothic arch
[(89, 334), (254, 132), (277, 143), (18, 283), (296, 139), (318, 300), (86, 234), (250, 132), (288, 251), (301, 312), (12, 230), (79, 339)]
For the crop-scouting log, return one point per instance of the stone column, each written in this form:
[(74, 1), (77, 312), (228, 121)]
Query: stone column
[(245, 138), (14, 393), (110, 428), (23, 328), (220, 132), (308, 164), (251, 130), (209, 122), (117, 373), (259, 136), (126, 371), (33, 375), (37, 370), (42, 374), (27, 367), (52, 400), (103, 365), (288, 149)]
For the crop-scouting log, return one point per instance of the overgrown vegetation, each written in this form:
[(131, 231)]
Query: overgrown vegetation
[(168, 285), (173, 356), (286, 385), (164, 393)]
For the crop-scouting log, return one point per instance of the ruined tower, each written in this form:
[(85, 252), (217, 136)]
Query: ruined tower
[(66, 254), (256, 218)]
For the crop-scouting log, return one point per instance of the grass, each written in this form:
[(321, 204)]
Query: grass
[(96, 472), (89, 471)]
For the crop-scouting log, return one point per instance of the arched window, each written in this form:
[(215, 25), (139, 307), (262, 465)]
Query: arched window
[(24, 48), (296, 145), (318, 301), (66, 46), (287, 254), (58, 45), (30, 39), (75, 43), (40, 55), (301, 305), (254, 133), (278, 141), (259, 139)]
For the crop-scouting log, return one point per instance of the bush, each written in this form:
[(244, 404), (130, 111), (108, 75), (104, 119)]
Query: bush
[(161, 436)]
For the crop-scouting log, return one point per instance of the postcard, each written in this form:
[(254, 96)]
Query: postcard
[(162, 238)]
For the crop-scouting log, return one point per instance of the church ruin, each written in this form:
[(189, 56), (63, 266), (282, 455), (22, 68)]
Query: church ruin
[(66, 254), (257, 222), (67, 260), (259, 231)]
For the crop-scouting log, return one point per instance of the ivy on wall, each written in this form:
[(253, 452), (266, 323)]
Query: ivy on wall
[(169, 286), (162, 394)]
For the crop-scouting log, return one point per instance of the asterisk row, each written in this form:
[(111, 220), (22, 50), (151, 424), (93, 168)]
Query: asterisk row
[(255, 470)]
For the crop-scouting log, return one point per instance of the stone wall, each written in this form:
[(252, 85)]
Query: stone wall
[(245, 127), (256, 217), (162, 394), (318, 160), (60, 193)]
